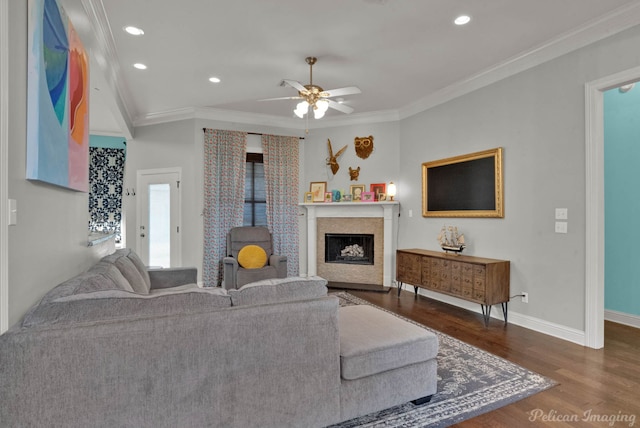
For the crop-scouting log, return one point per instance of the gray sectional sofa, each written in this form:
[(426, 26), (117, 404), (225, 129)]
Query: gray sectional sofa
[(121, 346)]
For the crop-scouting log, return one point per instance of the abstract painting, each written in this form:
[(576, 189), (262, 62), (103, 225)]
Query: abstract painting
[(57, 99)]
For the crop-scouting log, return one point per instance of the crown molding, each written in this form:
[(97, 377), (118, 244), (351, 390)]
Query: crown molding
[(615, 22), (106, 57), (264, 119), (612, 23)]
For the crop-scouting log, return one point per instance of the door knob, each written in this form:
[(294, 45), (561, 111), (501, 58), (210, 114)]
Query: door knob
[(142, 235)]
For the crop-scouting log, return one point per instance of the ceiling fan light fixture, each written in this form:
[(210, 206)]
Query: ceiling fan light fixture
[(322, 105), (318, 114), (301, 109)]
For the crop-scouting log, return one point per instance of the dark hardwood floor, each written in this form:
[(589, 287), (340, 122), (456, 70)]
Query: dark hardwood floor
[(597, 388)]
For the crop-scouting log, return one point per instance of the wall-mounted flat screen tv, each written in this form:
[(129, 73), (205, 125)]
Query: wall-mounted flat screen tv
[(464, 186)]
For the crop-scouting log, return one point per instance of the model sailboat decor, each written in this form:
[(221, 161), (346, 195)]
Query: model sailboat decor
[(451, 240)]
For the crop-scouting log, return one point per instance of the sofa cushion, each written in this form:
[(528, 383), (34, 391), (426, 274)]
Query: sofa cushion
[(252, 257), (83, 283), (131, 273), (114, 305), (137, 261), (246, 276), (109, 271), (279, 290), (373, 341)]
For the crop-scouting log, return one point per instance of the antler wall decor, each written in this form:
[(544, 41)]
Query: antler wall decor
[(332, 160)]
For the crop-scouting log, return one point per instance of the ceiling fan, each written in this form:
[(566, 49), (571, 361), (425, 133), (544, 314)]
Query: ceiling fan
[(313, 96)]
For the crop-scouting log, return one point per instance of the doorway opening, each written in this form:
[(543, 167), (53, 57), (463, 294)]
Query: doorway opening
[(158, 225), (594, 216)]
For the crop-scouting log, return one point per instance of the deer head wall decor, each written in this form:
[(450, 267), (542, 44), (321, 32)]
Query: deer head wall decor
[(354, 173), (332, 160)]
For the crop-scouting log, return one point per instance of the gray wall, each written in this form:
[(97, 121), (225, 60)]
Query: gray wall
[(179, 144), (49, 243), (538, 116)]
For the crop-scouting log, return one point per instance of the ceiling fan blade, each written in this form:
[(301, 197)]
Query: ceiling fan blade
[(350, 90), (295, 85), (282, 98), (340, 107)]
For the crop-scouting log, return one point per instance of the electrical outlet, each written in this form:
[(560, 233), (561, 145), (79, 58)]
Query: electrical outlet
[(525, 297)]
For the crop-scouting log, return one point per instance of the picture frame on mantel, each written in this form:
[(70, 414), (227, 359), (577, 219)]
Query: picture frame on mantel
[(377, 189), (318, 189), (308, 197), (368, 197), (356, 191)]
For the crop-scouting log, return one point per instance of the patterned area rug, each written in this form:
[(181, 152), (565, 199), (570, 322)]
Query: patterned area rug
[(470, 382)]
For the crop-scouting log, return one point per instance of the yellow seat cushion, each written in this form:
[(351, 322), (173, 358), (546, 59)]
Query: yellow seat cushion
[(252, 257)]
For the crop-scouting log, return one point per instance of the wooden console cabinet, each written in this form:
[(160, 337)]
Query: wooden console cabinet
[(476, 279)]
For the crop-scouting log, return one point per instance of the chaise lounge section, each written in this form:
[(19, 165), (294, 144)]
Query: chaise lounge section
[(123, 346)]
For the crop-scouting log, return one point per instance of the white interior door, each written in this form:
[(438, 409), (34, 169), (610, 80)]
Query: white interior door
[(158, 226)]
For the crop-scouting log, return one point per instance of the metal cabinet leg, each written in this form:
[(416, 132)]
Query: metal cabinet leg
[(399, 287), (486, 314)]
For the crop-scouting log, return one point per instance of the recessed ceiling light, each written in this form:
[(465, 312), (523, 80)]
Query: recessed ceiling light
[(462, 19), (140, 66), (214, 79), (134, 31)]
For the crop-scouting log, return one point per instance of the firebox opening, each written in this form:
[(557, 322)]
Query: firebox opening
[(348, 248)]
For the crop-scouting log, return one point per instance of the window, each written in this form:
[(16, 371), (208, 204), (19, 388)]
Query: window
[(255, 195)]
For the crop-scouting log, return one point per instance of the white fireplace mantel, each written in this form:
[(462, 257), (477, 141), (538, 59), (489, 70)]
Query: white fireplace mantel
[(386, 210)]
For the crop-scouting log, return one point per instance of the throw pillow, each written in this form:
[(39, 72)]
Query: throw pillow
[(252, 257)]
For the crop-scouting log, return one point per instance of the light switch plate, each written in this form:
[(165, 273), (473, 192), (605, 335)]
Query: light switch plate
[(561, 227), (562, 213)]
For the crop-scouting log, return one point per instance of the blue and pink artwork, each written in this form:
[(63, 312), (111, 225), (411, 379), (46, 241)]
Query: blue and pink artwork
[(58, 99)]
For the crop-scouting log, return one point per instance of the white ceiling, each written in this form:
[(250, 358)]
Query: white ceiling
[(400, 53)]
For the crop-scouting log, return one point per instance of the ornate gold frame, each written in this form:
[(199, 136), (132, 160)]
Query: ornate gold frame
[(497, 212)]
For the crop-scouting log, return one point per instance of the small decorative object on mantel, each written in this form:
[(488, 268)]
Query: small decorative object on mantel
[(451, 240)]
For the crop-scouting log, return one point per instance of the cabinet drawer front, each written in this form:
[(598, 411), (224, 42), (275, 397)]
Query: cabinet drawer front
[(467, 292), (456, 269), (408, 268), (478, 294), (467, 269), (436, 264), (478, 283), (479, 271), (426, 274), (425, 264)]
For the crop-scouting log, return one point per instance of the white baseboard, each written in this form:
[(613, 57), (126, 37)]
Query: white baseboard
[(622, 318), (541, 326)]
